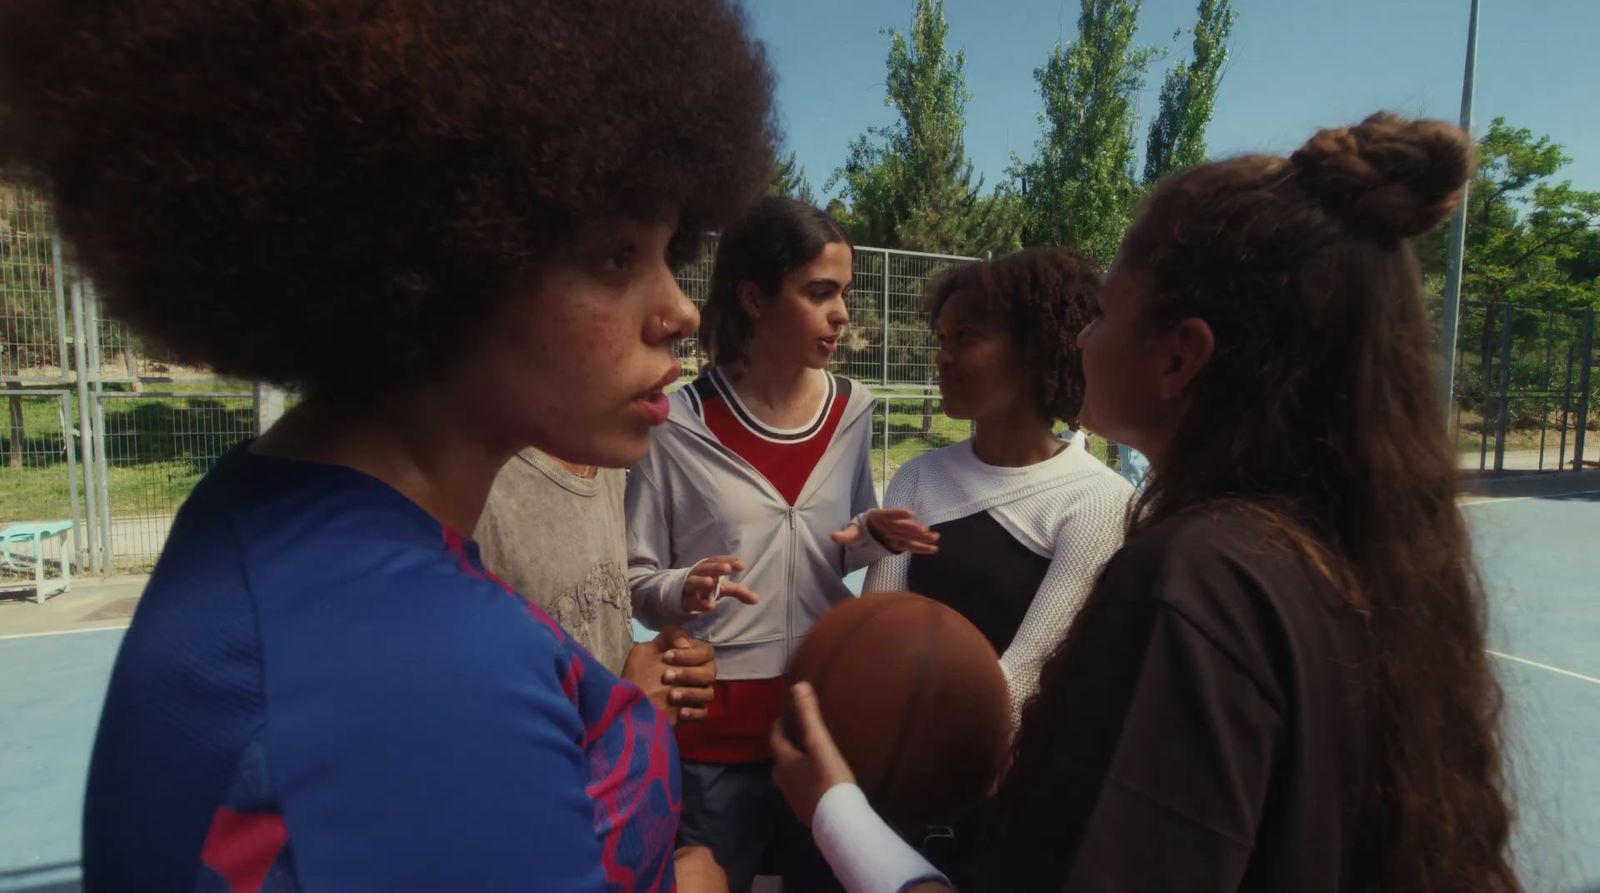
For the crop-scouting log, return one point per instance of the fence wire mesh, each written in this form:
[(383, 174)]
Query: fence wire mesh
[(39, 479), (1527, 392), (906, 426), (157, 447), (32, 319), (888, 343), (1523, 399), (695, 280)]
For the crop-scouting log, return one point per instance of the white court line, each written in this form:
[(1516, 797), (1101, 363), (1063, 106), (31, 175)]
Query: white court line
[(1491, 500), (1533, 663), (64, 632)]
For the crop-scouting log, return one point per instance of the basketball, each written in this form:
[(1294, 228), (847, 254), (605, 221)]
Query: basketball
[(915, 700)]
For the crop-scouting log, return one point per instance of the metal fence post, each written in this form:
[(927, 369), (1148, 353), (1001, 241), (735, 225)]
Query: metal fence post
[(82, 552), (57, 272), (1586, 353), (268, 403), (884, 377), (1503, 422), (886, 402), (1566, 408), (97, 387), (80, 360), (108, 541)]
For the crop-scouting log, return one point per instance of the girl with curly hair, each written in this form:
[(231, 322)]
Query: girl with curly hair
[(450, 225), (1279, 682), (1025, 517)]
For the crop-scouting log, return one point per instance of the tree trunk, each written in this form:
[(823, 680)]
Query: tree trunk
[(130, 359), (18, 432)]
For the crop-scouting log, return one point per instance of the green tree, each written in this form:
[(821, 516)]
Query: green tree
[(1079, 189), (789, 178), (1526, 231), (1533, 241), (910, 185), (1177, 136)]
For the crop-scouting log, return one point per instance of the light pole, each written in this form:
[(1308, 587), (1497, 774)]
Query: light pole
[(1458, 235)]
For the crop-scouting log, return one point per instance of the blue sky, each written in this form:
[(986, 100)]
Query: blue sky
[(1296, 65)]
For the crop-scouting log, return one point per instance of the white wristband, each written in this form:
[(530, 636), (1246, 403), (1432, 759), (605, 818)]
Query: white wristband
[(864, 852)]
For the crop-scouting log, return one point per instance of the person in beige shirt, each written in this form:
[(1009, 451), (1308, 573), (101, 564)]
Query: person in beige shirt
[(555, 532)]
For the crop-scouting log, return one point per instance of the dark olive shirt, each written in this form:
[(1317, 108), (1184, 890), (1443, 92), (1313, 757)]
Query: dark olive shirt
[(1200, 731)]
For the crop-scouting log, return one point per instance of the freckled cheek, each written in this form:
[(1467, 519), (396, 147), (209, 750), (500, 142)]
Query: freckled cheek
[(616, 338), (609, 346)]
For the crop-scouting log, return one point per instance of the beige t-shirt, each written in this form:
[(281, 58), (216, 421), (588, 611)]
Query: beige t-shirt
[(560, 540)]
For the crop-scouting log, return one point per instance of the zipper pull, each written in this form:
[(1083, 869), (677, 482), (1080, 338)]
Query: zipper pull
[(791, 517)]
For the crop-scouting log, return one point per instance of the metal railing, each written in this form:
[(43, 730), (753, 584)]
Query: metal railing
[(1525, 387)]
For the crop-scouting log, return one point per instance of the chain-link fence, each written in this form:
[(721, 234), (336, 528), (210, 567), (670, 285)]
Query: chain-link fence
[(1525, 390), (33, 323), (889, 343), (157, 447), (695, 280), (116, 450), (39, 481), (905, 426)]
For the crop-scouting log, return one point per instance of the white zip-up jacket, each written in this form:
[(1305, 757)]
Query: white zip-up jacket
[(692, 498)]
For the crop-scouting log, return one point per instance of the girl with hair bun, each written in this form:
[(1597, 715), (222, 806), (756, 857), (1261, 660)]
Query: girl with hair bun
[(1279, 682)]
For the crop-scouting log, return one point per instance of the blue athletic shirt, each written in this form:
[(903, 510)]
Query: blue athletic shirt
[(323, 690)]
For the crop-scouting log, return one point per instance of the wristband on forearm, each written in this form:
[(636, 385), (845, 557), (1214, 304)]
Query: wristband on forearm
[(864, 852)]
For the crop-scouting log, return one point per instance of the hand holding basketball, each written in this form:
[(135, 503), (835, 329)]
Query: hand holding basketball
[(708, 582), (915, 705), (806, 769), (898, 529)]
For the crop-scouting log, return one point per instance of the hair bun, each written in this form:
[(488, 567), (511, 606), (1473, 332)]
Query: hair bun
[(1388, 177)]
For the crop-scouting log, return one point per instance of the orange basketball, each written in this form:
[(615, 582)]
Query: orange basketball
[(915, 699)]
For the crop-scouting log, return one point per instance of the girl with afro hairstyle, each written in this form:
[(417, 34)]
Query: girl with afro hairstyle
[(755, 500), (450, 225), (1025, 518), (1279, 682)]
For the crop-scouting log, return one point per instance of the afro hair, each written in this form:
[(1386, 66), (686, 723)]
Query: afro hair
[(334, 194), (1044, 297)]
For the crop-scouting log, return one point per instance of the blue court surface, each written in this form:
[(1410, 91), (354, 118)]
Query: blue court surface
[(1541, 561)]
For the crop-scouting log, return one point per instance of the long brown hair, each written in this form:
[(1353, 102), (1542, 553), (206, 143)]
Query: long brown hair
[(1320, 409), (773, 238)]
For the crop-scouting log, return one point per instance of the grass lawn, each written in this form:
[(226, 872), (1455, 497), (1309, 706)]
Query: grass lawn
[(158, 448), (149, 488)]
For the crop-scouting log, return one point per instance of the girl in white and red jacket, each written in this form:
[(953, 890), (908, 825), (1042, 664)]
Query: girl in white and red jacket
[(754, 501)]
